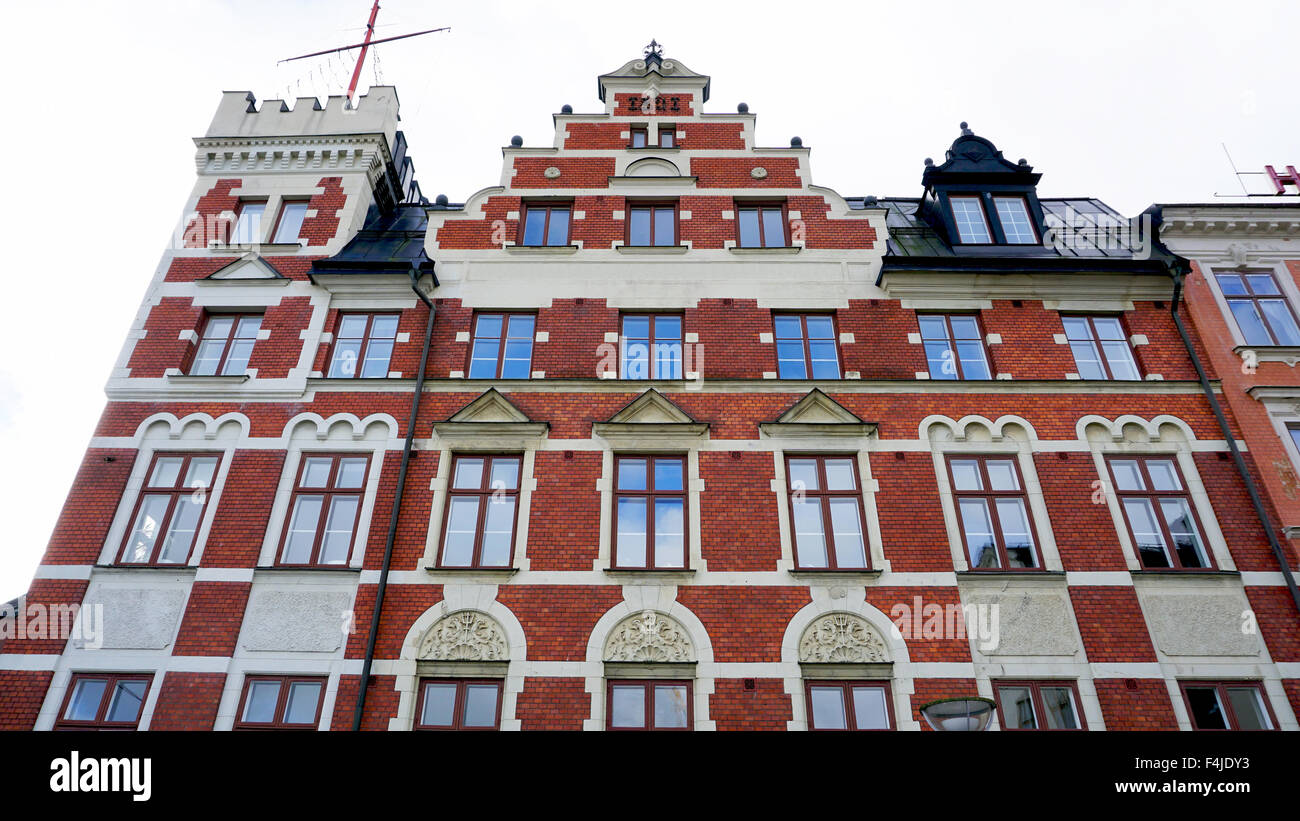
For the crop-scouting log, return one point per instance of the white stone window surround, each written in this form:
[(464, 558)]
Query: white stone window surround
[(827, 446), (1283, 413), (987, 676), (90, 664), (526, 447), (241, 668), (308, 433), (1263, 674), (1281, 275), (275, 189), (980, 436), (688, 447), (1134, 436)]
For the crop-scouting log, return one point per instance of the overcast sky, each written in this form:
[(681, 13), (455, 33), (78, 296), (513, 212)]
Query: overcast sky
[(1129, 102)]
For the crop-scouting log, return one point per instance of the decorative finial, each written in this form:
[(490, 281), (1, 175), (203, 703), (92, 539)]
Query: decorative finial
[(929, 162), (743, 108), (516, 141), (965, 131), (796, 142), (654, 51), (1023, 161), (566, 109)]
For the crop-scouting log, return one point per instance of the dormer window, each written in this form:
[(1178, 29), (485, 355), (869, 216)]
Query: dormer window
[(1017, 227), (972, 225)]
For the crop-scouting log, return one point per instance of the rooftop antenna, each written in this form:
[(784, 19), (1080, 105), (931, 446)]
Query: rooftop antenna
[(364, 45)]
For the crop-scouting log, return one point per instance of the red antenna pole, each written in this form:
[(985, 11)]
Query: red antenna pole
[(365, 46)]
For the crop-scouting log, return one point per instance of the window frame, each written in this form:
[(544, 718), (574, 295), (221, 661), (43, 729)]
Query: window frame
[(174, 493), (1254, 299), (764, 205), (100, 722), (648, 684), (279, 220), (1221, 687), (644, 131), (654, 206), (328, 491), (366, 340), (847, 686), (506, 316), (653, 340), (990, 496), (484, 492), (669, 130), (952, 343), (825, 495), (232, 237), (650, 494), (548, 206), (208, 318), (1153, 495), (979, 203), (1096, 340), (807, 350), (1029, 218), (458, 706), (282, 698), (1036, 700)]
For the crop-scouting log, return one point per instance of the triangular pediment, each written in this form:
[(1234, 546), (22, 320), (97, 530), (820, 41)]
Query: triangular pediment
[(246, 268), (650, 408), (490, 406), (819, 409)]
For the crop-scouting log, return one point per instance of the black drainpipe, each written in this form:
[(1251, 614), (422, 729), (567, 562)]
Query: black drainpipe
[(1176, 267), (397, 507)]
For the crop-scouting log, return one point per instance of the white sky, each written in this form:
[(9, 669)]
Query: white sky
[(1125, 101)]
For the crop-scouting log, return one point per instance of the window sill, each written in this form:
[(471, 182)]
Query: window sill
[(126, 566), (488, 572), (846, 573), (213, 379), (1183, 573), (262, 248), (652, 149), (1003, 575), (299, 568), (541, 250), (652, 250), (781, 251), (655, 574), (1290, 354)]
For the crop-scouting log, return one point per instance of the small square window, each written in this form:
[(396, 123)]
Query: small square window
[(761, 225), (652, 224), (545, 224), (648, 705), (363, 346), (806, 346), (289, 224), (849, 705), (459, 704), (104, 701), (226, 344), (972, 225), (502, 347), (1038, 705), (482, 509), (324, 510), (1227, 705), (281, 703), (954, 346), (640, 137), (667, 136), (248, 222), (170, 509)]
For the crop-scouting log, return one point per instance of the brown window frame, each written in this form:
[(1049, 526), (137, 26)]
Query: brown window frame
[(952, 343), (1254, 298), (669, 131), (1221, 687), (506, 316), (1036, 699), (458, 706), (654, 206), (484, 493), (99, 722), (1154, 497), (279, 218), (644, 131), (649, 684), (804, 339), (825, 495), (989, 496), (175, 492), (226, 344), (764, 205), (1096, 341), (651, 494), (653, 340), (282, 699), (850, 718), (329, 491), (239, 213), (548, 206), (366, 340)]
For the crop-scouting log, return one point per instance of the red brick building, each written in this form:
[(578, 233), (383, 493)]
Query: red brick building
[(654, 433)]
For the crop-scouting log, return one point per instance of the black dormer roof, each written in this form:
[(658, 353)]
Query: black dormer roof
[(973, 159)]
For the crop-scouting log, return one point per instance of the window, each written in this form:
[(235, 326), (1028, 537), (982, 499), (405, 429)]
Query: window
[(1158, 511), (805, 344), (169, 509), (826, 513), (364, 339), (761, 226), (324, 510), (1100, 348), (640, 137), (648, 705), (289, 224), (954, 347), (1038, 705), (481, 512), (1261, 311), (849, 705), (1294, 431), (993, 512), (652, 346), (280, 703), (1017, 227), (458, 704), (103, 701), (248, 222), (503, 346), (1227, 705), (226, 345), (652, 224), (650, 512), (972, 226), (545, 224), (667, 136)]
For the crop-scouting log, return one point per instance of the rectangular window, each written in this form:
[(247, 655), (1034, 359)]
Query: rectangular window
[(324, 510), (1017, 227), (651, 346), (502, 347), (248, 222), (545, 224), (1227, 705), (993, 512), (1100, 348), (280, 703), (1294, 431), (1159, 514), (1261, 310), (650, 513), (363, 346), (226, 344), (482, 507), (1038, 705), (289, 223), (667, 136), (459, 704), (648, 705), (849, 705), (805, 346), (652, 224), (170, 509), (761, 226), (826, 513), (954, 346), (640, 137), (103, 701), (972, 225)]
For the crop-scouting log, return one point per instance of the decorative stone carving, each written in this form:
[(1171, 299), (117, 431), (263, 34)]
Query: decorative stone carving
[(649, 637), (841, 638), (551, 172), (464, 636), (758, 172)]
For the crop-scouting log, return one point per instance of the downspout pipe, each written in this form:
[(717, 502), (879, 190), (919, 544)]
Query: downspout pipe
[(1178, 267), (363, 685)]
